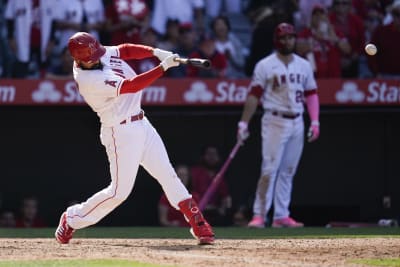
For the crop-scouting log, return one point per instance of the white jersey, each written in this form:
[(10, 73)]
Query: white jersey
[(283, 86), (100, 88), (23, 14)]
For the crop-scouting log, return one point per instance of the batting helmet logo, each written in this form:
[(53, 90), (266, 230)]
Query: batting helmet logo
[(84, 47)]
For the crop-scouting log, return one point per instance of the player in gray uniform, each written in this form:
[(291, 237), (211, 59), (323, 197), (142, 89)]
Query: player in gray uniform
[(282, 82), (114, 91)]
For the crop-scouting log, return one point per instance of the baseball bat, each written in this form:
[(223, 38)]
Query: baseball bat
[(218, 178), (195, 62)]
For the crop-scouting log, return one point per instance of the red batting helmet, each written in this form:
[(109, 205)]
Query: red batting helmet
[(281, 30), (84, 46)]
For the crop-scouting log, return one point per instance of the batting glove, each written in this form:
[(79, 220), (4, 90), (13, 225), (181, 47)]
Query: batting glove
[(313, 131), (169, 62), (161, 54), (243, 131)]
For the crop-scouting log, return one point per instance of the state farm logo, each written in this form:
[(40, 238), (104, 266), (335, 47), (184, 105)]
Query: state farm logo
[(198, 92), (224, 92), (7, 94), (350, 93), (46, 91), (155, 94)]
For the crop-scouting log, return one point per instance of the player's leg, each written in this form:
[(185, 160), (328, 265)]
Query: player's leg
[(274, 133), (156, 161), (284, 182), (124, 154)]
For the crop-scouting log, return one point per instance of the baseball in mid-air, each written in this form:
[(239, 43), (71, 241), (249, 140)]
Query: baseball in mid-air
[(371, 49)]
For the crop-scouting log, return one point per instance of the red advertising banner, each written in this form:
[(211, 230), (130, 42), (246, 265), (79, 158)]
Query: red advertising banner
[(202, 92)]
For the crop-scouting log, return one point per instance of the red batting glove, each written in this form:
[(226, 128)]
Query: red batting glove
[(313, 131)]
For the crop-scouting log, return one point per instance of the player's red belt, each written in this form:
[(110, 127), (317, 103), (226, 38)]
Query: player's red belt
[(285, 115), (137, 117)]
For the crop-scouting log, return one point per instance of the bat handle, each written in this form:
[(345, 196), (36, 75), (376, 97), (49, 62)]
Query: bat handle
[(181, 60)]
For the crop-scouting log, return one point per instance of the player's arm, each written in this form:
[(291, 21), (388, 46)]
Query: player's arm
[(252, 100), (250, 107), (135, 51), (251, 104), (312, 102), (143, 80)]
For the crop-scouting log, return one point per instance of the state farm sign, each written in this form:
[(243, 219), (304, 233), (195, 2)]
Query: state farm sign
[(188, 92)]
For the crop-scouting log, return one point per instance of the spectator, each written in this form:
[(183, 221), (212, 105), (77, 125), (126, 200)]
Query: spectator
[(304, 14), (322, 45), (29, 216), (265, 20), (219, 206), (78, 15), (228, 44), (363, 8), (30, 35), (387, 39), (214, 8), (371, 22), (388, 11), (208, 50), (7, 219), (187, 45), (63, 70), (170, 40), (352, 26), (185, 11), (167, 215), (122, 26)]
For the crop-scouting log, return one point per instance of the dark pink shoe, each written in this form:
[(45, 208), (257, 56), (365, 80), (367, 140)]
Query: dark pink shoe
[(256, 222), (287, 222)]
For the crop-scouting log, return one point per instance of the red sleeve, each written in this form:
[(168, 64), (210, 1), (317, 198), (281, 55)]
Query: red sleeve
[(134, 51), (257, 91), (310, 92), (141, 81)]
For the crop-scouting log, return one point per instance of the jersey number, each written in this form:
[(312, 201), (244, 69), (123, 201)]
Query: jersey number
[(299, 96)]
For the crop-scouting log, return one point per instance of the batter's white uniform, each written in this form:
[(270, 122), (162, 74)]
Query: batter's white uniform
[(282, 129), (128, 145)]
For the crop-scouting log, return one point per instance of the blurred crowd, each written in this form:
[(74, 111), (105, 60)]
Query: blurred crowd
[(331, 34)]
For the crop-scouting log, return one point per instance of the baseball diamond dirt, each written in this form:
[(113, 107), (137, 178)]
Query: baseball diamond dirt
[(226, 252)]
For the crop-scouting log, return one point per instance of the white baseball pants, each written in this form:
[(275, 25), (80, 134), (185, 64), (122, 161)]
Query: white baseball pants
[(128, 146), (282, 146)]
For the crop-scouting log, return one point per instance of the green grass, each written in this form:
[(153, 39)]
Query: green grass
[(77, 263), (221, 232), (379, 262)]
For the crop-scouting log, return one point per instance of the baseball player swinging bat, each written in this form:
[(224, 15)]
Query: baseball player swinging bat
[(196, 62), (217, 179)]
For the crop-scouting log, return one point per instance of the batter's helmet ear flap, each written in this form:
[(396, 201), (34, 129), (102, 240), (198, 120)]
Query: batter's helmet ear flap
[(85, 47)]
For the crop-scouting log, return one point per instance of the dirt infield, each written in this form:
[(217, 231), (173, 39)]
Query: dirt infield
[(226, 252)]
